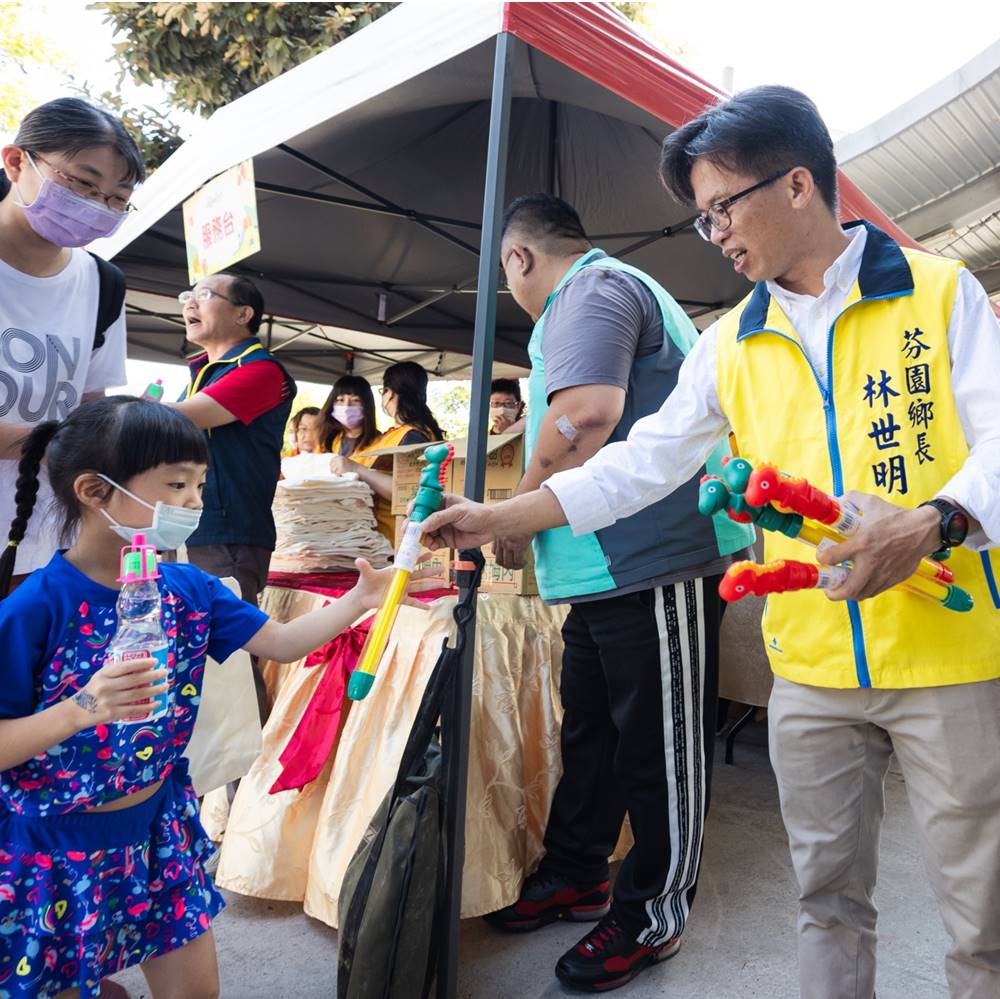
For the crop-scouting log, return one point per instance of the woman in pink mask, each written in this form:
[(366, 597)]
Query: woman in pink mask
[(347, 419), (66, 180)]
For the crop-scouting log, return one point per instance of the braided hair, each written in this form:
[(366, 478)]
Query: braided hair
[(120, 437), (25, 494)]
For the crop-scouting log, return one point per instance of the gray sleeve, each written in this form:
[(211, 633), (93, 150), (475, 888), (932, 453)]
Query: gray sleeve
[(593, 330)]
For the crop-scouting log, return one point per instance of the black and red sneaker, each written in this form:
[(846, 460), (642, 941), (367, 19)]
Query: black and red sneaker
[(609, 957), (548, 897)]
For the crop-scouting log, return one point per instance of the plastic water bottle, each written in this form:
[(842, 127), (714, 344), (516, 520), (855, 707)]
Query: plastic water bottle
[(140, 632), (154, 391)]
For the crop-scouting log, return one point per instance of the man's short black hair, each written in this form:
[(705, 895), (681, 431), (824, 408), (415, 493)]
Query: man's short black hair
[(758, 133), (510, 386), (545, 218), (244, 292)]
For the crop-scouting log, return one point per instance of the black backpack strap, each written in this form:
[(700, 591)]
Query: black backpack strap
[(111, 297)]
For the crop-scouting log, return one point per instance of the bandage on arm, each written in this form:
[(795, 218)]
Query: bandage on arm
[(577, 425)]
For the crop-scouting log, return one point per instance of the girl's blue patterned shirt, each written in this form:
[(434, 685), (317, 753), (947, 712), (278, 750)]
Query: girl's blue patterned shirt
[(54, 633)]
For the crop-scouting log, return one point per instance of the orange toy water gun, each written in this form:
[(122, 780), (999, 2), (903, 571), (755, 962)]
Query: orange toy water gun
[(842, 518), (779, 502), (767, 485), (743, 579)]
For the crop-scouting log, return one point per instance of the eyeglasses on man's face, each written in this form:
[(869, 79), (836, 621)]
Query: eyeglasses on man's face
[(504, 283), (718, 217), (85, 189), (202, 295)]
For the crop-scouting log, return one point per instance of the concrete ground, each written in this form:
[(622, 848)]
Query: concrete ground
[(739, 942)]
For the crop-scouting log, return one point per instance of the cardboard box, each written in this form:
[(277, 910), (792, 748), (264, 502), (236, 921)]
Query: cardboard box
[(497, 579), (440, 559), (407, 464), (504, 468)]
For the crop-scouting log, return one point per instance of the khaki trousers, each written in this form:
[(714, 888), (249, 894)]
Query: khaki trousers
[(830, 750)]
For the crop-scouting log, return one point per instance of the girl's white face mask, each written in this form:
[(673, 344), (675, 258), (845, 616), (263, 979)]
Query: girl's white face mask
[(171, 526)]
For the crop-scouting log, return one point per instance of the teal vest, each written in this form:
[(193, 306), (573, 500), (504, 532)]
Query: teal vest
[(669, 535)]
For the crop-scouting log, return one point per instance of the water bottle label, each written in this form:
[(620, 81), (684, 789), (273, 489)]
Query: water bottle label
[(161, 702)]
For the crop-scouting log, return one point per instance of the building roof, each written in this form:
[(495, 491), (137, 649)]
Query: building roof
[(933, 165)]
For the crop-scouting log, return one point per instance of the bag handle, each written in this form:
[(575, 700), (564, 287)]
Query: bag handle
[(421, 732), (440, 680)]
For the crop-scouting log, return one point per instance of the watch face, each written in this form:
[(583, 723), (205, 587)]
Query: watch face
[(955, 528)]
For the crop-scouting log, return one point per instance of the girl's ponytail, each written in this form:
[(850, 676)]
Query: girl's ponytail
[(25, 494)]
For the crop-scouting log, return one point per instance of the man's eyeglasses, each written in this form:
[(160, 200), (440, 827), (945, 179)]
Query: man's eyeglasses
[(87, 190), (202, 295), (718, 217), (503, 284)]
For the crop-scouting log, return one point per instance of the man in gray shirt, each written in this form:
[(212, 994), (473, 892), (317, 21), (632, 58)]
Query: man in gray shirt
[(640, 667), (595, 328)]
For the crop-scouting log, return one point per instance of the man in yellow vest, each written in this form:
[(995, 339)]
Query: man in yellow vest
[(869, 369)]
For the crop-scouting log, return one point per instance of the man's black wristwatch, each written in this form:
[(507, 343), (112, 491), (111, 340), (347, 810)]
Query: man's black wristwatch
[(954, 524)]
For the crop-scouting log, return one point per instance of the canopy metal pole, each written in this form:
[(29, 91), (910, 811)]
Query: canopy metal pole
[(455, 737)]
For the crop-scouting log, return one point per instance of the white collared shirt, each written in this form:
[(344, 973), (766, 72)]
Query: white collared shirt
[(665, 449)]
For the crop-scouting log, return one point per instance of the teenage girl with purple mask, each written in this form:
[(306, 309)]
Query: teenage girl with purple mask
[(101, 850), (66, 180)]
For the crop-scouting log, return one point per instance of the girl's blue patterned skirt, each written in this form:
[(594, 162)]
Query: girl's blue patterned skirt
[(84, 895)]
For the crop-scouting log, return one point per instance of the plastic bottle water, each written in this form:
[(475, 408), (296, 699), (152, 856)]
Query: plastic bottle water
[(154, 391), (140, 632)]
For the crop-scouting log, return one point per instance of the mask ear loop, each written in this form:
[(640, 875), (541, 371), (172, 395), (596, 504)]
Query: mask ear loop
[(20, 202), (138, 499), (111, 520)]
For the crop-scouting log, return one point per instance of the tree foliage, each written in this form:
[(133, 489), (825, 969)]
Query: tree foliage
[(205, 55), (156, 135), (652, 19), (208, 54), (23, 50), (449, 401)]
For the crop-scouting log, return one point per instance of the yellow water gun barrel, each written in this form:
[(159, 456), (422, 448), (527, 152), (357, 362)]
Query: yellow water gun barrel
[(426, 501)]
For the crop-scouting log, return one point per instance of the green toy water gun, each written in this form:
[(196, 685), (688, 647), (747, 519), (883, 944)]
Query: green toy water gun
[(797, 509), (425, 502)]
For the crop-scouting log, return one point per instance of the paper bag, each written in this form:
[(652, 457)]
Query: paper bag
[(226, 737)]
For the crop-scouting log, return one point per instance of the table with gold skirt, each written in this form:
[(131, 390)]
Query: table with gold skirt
[(296, 845)]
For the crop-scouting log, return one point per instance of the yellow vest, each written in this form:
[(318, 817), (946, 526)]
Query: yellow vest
[(883, 422)]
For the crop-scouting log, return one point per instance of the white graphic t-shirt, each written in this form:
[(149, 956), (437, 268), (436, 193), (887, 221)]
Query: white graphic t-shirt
[(47, 365)]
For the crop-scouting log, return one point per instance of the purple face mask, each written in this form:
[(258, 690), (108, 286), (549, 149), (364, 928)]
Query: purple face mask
[(349, 416), (64, 218)]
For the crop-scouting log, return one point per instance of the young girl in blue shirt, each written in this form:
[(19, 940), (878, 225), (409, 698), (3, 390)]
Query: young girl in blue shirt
[(101, 850)]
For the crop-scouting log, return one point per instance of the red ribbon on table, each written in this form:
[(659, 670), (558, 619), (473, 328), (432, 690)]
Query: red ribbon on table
[(307, 750)]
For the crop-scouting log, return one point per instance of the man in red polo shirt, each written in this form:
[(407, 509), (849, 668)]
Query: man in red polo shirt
[(241, 395)]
